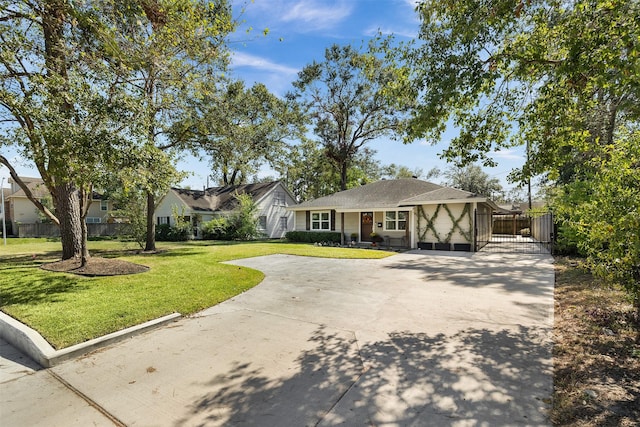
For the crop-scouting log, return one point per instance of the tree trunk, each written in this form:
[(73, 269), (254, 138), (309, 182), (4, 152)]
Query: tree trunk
[(151, 225), (67, 200), (343, 175), (84, 209)]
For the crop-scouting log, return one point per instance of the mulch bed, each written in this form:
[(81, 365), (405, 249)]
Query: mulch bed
[(96, 266)]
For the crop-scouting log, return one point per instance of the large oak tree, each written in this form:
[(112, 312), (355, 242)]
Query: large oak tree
[(352, 97)]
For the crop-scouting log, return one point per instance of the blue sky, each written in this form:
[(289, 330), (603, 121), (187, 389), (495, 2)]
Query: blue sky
[(299, 32)]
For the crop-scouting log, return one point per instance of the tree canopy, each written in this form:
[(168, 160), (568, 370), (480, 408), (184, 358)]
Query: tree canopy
[(240, 129), (561, 78), (349, 98), (61, 104)]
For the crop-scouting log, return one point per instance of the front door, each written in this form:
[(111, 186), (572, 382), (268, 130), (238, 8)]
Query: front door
[(366, 226)]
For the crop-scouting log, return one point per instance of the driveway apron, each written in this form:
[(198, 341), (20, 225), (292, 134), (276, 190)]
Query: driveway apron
[(416, 339)]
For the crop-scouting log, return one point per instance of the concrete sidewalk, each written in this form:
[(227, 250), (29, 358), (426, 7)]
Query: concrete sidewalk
[(421, 338)]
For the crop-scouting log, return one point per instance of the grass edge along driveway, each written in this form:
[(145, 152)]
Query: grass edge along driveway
[(67, 309)]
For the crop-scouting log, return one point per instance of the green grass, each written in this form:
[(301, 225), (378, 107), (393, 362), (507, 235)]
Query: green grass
[(68, 309)]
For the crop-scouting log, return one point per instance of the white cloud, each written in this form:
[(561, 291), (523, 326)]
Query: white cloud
[(510, 154), (317, 14), (240, 59)]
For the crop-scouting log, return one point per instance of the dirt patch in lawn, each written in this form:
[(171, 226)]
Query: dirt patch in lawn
[(596, 353), (96, 266)]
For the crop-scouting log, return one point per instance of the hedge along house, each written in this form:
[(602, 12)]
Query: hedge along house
[(198, 206), (407, 213)]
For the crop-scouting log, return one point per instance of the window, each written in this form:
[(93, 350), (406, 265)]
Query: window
[(283, 222), (93, 220), (279, 199), (395, 220), (104, 205), (262, 222), (320, 221), (163, 220)]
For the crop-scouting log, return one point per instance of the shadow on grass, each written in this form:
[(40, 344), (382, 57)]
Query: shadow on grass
[(29, 284), (474, 377)]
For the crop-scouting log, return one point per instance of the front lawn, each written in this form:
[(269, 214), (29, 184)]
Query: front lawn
[(68, 309)]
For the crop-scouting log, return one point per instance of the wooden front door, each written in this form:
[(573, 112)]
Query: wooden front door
[(366, 226)]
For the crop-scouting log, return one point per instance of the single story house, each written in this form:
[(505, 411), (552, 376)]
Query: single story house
[(198, 206), (404, 212), (23, 211)]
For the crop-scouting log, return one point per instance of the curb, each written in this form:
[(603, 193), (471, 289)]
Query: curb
[(31, 343)]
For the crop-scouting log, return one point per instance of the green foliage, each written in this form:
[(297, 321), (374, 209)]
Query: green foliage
[(313, 236), (243, 223), (472, 178), (168, 233), (601, 213), (216, 229), (348, 99), (559, 77), (494, 67), (240, 129)]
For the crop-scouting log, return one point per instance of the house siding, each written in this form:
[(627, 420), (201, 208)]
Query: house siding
[(167, 205), (444, 225), (272, 205)]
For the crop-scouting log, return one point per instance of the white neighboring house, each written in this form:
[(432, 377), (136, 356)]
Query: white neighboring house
[(23, 211), (198, 206)]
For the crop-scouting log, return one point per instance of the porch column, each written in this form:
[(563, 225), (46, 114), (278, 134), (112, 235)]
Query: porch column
[(342, 228)]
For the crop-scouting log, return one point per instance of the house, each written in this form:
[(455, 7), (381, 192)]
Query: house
[(22, 211), (198, 206), (405, 212)]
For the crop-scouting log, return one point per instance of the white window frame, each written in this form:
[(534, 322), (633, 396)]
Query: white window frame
[(320, 219), (284, 221), (93, 220), (104, 205), (395, 220), (262, 223), (279, 199)]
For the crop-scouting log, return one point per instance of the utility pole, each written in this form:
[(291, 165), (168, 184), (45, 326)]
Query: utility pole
[(528, 175)]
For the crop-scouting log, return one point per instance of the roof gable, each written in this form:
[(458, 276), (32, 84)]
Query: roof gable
[(222, 199)]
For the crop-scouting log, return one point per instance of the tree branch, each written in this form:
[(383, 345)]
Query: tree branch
[(28, 192)]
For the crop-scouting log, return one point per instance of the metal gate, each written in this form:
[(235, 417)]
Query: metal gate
[(513, 233)]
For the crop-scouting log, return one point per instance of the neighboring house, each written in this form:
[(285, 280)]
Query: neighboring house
[(405, 212), (23, 211), (198, 206)]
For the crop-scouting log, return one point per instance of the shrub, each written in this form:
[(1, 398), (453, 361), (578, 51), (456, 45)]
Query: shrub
[(243, 223), (216, 229), (313, 236), (179, 233)]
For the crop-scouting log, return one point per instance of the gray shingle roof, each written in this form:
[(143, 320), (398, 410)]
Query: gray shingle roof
[(441, 194), (222, 199), (380, 194)]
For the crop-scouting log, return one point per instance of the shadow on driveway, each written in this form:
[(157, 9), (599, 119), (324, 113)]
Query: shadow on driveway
[(474, 377)]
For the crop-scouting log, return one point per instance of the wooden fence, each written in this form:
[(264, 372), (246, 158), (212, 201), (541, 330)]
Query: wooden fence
[(52, 230)]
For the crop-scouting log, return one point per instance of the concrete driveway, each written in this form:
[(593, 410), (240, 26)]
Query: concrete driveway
[(417, 339)]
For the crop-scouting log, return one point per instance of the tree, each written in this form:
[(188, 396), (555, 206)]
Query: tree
[(394, 171), (353, 97), (601, 214), (559, 77), (241, 129), (472, 178), (171, 49), (61, 105)]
